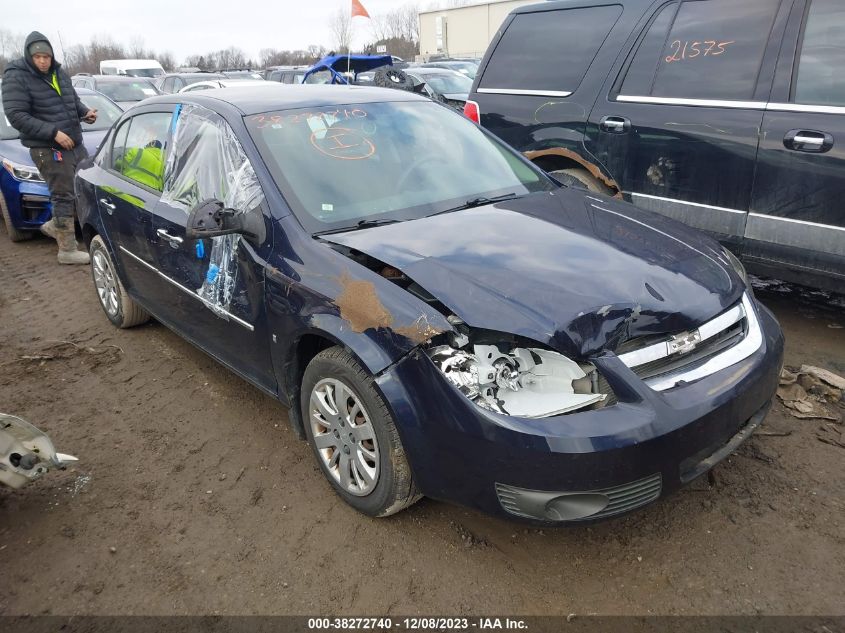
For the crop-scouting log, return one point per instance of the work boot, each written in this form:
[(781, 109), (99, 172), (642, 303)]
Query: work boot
[(49, 228), (68, 253)]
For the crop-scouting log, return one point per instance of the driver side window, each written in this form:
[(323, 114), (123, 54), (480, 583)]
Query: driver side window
[(139, 149)]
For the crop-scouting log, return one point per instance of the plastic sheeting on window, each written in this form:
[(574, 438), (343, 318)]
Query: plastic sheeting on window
[(206, 161)]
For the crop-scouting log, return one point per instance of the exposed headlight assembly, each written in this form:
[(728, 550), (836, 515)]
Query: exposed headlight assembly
[(24, 173), (524, 382)]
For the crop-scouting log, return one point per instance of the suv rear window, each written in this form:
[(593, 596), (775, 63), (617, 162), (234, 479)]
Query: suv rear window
[(548, 50), (820, 80), (702, 49)]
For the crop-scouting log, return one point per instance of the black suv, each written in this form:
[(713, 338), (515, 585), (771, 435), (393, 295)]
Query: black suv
[(726, 115)]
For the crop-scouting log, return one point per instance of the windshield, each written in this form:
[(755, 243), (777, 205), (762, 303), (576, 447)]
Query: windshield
[(448, 83), (144, 72), (7, 132), (127, 90), (466, 68), (107, 112), (192, 80), (340, 165)]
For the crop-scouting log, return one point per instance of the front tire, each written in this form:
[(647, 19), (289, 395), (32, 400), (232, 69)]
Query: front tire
[(353, 436), (14, 234), (119, 307)]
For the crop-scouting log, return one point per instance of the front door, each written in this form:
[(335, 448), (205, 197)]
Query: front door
[(219, 282), (678, 127), (797, 220)]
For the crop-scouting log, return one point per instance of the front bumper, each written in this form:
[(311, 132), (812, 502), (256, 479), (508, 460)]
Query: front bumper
[(28, 202), (647, 445)]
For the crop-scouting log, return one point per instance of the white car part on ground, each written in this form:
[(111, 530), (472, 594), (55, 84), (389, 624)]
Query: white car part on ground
[(26, 453)]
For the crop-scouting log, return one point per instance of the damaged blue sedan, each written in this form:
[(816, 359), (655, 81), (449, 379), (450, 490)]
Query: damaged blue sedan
[(440, 317)]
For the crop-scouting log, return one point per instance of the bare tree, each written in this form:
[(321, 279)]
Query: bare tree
[(341, 27), (398, 30), (136, 48), (11, 47), (166, 59)]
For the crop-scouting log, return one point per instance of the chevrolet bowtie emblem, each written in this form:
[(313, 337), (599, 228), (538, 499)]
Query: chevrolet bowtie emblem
[(684, 342)]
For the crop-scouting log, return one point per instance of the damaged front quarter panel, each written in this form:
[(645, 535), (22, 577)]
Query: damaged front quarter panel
[(353, 301)]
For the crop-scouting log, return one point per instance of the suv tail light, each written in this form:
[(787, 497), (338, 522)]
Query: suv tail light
[(472, 112)]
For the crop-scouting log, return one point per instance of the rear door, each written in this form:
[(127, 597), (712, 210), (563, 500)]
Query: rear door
[(678, 127), (540, 80), (128, 190), (797, 225)]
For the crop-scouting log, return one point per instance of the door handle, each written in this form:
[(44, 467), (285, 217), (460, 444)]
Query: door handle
[(809, 141), (615, 124), (108, 205), (174, 240)]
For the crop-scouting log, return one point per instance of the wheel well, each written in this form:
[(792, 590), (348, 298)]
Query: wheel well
[(551, 163), (306, 349), (88, 233)]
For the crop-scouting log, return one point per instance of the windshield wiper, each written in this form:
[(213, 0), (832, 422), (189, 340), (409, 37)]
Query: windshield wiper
[(361, 224), (478, 202)]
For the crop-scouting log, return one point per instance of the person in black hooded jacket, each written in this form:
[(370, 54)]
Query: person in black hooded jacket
[(41, 104)]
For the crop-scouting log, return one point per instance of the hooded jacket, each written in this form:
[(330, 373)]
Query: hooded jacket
[(32, 105)]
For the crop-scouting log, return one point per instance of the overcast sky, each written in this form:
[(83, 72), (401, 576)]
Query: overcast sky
[(186, 27)]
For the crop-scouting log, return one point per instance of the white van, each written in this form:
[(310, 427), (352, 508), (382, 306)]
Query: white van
[(131, 67)]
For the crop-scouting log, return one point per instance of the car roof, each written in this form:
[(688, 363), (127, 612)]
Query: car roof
[(553, 5), (209, 75), (116, 78), (276, 96)]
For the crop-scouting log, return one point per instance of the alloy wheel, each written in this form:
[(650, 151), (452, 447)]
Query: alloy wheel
[(344, 436), (105, 282)]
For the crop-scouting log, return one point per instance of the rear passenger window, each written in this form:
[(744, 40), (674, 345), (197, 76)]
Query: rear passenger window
[(820, 79), (548, 50), (139, 147), (703, 49)]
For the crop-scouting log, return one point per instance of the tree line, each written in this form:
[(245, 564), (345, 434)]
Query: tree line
[(397, 30)]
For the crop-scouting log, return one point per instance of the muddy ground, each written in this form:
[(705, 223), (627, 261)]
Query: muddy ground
[(194, 497)]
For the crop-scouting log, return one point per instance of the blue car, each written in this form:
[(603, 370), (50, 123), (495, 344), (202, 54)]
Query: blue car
[(24, 197), (440, 316)]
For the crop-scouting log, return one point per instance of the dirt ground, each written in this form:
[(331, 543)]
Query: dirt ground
[(193, 496)]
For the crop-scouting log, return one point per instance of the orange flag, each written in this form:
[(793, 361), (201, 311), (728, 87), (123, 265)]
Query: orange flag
[(358, 9)]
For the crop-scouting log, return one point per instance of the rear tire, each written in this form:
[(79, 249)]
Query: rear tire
[(581, 178), (353, 436), (119, 307), (14, 234)]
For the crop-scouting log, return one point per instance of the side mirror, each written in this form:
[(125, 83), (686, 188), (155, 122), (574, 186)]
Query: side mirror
[(210, 218)]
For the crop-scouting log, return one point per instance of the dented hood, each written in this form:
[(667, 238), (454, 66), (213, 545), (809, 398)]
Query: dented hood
[(578, 273)]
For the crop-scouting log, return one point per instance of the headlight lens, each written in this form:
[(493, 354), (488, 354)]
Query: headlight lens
[(524, 381), (737, 265), (24, 173)]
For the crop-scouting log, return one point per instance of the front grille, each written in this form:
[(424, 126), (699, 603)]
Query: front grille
[(723, 340), (536, 504), (657, 360), (32, 207)]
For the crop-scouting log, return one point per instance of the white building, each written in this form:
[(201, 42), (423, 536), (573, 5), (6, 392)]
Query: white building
[(463, 31)]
